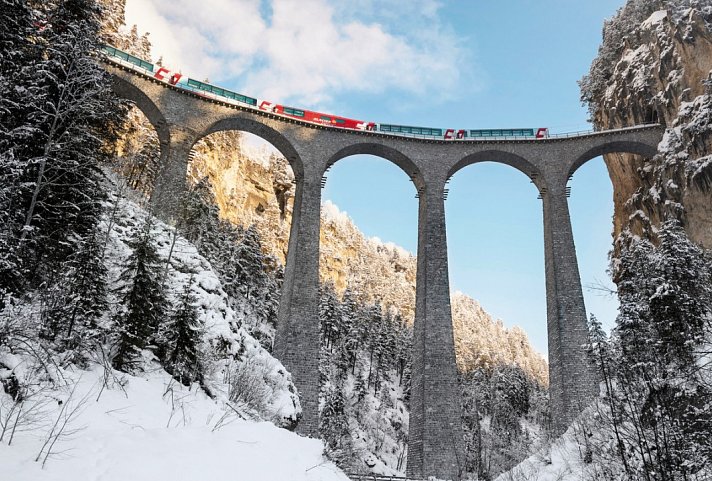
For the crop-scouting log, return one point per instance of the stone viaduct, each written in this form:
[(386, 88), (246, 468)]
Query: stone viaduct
[(435, 443)]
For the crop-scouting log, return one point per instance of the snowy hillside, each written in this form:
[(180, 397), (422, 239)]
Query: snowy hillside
[(147, 428), (226, 344), (87, 421)]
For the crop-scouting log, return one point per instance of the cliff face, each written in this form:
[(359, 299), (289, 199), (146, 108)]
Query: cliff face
[(655, 64)]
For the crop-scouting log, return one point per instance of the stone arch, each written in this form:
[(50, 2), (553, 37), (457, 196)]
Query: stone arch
[(610, 147), (263, 131), (129, 91), (385, 152), (502, 157)]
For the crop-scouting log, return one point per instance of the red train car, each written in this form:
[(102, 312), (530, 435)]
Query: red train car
[(318, 117)]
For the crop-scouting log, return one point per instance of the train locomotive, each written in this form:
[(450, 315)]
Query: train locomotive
[(205, 89)]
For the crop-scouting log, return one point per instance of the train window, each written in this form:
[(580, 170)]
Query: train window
[(325, 118), (340, 121), (295, 112)]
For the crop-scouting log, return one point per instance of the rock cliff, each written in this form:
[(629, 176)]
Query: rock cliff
[(655, 65)]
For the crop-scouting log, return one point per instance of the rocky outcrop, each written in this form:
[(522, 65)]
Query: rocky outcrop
[(655, 65)]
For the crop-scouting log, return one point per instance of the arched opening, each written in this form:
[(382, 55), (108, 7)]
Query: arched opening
[(598, 196), (237, 211), (496, 262), (138, 152), (591, 212), (143, 140), (367, 269)]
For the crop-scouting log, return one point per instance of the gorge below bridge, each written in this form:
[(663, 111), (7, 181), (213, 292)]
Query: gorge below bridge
[(435, 446)]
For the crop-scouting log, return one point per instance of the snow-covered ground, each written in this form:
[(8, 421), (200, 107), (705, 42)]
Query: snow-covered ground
[(153, 429), (97, 424), (562, 461)]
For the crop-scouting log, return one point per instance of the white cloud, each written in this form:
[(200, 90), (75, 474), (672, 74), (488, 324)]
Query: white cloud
[(305, 51)]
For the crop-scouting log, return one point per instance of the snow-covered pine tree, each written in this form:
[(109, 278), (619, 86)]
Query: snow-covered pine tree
[(86, 295), (143, 302), (199, 215), (662, 390), (65, 115), (497, 401), (404, 347), (599, 351), (250, 278), (249, 264), (16, 21), (334, 426), (330, 316), (180, 337)]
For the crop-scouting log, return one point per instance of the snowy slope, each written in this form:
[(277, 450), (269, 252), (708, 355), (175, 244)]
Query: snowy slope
[(153, 429), (227, 345), (147, 426)]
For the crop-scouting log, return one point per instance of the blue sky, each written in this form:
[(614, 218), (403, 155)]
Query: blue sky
[(458, 64)]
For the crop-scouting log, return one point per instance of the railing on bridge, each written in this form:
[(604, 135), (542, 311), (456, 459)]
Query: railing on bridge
[(593, 131)]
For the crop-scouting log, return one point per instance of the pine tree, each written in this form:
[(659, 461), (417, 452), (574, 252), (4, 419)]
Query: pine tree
[(330, 316), (661, 394), (599, 352), (86, 301), (58, 118), (142, 299), (334, 425), (16, 51), (199, 214), (180, 337), (249, 264)]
